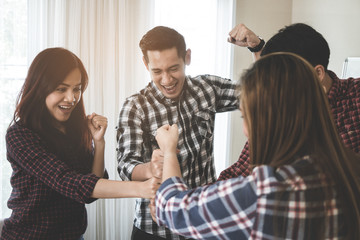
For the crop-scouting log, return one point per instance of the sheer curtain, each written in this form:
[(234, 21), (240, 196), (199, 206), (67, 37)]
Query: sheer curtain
[(105, 35)]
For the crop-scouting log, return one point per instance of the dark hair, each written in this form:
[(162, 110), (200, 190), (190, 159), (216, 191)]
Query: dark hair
[(288, 115), (303, 40), (47, 71), (161, 38)]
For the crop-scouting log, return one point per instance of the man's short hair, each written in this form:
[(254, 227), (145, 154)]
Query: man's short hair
[(161, 38), (303, 40)]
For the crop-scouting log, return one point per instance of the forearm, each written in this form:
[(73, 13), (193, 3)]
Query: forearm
[(141, 172), (98, 164), (171, 166), (116, 189)]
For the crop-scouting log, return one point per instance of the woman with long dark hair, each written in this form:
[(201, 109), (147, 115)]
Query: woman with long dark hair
[(304, 183), (57, 153)]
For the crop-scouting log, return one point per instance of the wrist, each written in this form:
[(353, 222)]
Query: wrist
[(170, 154), (148, 172), (259, 47), (99, 143)]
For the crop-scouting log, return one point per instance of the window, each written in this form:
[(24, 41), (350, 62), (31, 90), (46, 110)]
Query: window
[(13, 68)]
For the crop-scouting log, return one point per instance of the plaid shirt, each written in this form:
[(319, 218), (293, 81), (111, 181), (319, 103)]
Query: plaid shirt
[(287, 202), (48, 197), (344, 100), (143, 113)]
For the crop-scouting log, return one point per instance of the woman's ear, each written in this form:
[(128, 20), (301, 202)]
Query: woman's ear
[(188, 57)]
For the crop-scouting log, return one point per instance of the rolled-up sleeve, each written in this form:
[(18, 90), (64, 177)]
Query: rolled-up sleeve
[(129, 139)]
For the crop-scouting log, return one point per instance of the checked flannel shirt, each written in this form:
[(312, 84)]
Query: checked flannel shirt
[(287, 203), (344, 100), (48, 196), (143, 113)]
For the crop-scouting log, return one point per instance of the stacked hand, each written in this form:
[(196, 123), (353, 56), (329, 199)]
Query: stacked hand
[(150, 187), (156, 163), (167, 138)]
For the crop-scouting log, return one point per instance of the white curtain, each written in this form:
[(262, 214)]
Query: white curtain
[(105, 36)]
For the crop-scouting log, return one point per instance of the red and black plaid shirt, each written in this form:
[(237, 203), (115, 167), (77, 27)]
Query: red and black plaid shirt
[(48, 197), (344, 100)]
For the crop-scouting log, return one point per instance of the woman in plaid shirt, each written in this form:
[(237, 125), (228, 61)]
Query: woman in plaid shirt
[(305, 183), (57, 153)]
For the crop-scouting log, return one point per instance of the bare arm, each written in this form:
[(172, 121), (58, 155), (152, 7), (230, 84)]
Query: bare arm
[(97, 125), (167, 138), (141, 172), (154, 168), (125, 189)]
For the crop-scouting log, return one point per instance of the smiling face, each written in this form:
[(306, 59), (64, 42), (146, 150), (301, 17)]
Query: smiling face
[(62, 101), (167, 71)]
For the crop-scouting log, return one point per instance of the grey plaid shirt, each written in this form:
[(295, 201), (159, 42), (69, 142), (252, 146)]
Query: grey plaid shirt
[(194, 112)]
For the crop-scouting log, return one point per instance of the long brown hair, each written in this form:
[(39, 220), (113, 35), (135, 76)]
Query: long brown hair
[(288, 115), (49, 68)]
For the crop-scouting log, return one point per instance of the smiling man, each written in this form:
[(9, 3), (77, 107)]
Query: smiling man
[(171, 97)]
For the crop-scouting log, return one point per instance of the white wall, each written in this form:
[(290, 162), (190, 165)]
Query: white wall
[(337, 21)]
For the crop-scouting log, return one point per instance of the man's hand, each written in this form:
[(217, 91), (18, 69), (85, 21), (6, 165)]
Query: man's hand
[(242, 36)]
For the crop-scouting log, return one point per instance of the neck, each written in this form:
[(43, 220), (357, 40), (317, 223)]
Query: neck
[(59, 126), (327, 82)]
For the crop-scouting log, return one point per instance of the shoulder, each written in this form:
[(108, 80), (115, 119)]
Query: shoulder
[(134, 103), (17, 131), (353, 84), (210, 79), (298, 176), (210, 83), (18, 136), (142, 96), (349, 85), (351, 81), (136, 98)]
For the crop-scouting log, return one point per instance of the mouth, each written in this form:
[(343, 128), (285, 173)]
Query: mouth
[(65, 108), (170, 88)]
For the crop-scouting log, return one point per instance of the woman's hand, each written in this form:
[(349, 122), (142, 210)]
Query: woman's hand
[(97, 125), (149, 187), (167, 138)]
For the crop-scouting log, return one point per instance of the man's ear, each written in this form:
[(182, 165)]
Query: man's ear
[(188, 57), (145, 62), (320, 71)]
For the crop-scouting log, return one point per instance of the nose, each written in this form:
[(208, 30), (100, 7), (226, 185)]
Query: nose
[(70, 96), (166, 78)]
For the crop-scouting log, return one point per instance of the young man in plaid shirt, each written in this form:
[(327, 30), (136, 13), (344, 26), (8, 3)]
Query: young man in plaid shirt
[(343, 94), (171, 97)]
